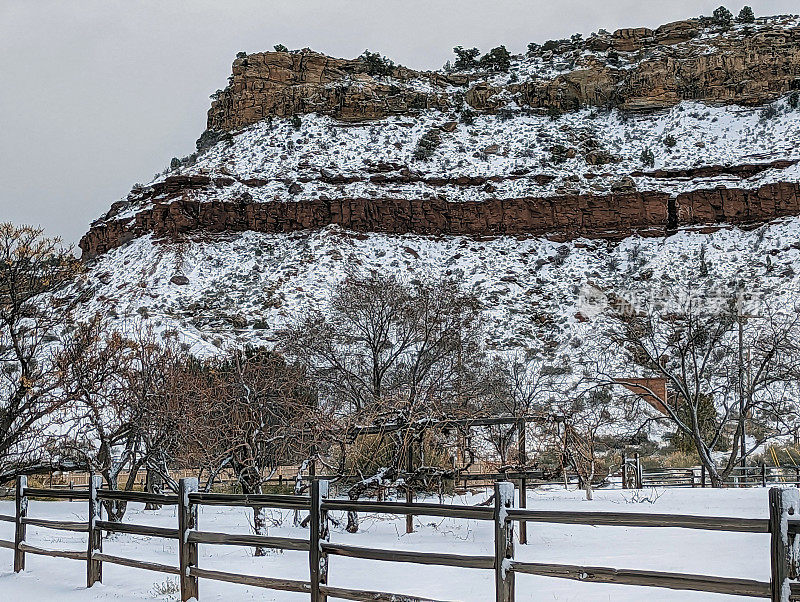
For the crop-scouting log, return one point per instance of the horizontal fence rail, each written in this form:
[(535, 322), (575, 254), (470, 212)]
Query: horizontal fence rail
[(457, 560), (287, 502), (136, 564), (262, 541), (137, 496), (635, 519), (782, 526), (413, 509), (700, 583)]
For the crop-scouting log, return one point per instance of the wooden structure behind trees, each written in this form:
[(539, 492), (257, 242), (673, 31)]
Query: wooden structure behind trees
[(782, 525)]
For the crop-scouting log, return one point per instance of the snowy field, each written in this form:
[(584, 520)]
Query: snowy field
[(679, 550)]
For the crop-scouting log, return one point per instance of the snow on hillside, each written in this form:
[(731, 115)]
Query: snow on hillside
[(242, 287), (584, 151), (676, 550)]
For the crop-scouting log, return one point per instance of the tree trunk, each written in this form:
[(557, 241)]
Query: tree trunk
[(153, 484), (716, 479), (588, 483), (352, 517), (260, 527), (115, 510)]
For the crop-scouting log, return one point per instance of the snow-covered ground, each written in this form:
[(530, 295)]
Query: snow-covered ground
[(679, 550)]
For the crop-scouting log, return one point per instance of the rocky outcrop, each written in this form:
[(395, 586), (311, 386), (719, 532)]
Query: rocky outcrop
[(282, 84), (742, 69), (605, 216), (659, 68)]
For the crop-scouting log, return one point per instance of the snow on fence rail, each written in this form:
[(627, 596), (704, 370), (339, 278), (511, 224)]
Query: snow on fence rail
[(783, 525)]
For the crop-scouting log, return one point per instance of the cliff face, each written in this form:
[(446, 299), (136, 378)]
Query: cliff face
[(631, 69), (282, 84), (682, 126), (561, 217)]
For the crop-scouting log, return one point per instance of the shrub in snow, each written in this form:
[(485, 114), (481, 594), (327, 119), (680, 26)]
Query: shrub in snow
[(376, 64), (280, 48), (497, 59), (769, 112), (428, 144), (467, 58), (647, 157)]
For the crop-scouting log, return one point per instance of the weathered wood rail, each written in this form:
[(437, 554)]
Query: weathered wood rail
[(783, 525)]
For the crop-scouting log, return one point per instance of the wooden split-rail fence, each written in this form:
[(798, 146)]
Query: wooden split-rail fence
[(783, 525)]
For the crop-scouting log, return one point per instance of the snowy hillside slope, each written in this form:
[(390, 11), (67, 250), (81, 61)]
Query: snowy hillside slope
[(270, 192), (585, 151), (242, 287)]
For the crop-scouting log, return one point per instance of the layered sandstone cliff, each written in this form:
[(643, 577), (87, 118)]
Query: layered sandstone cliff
[(562, 217), (714, 138), (632, 68)]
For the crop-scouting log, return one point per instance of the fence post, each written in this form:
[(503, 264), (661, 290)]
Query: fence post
[(187, 521), (503, 542), (639, 475), (763, 474), (409, 490), (523, 482), (94, 568), (703, 476), (19, 526), (319, 532), (783, 503), (624, 471)]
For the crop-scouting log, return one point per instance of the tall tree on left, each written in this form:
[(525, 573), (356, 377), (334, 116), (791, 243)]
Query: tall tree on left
[(34, 308)]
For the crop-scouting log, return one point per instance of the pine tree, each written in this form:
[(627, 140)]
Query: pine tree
[(467, 58), (746, 15), (377, 64), (723, 17), (497, 59)]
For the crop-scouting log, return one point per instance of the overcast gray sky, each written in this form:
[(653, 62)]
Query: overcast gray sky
[(96, 95)]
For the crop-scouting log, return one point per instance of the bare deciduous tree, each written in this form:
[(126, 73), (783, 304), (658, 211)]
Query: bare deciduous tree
[(394, 356), (251, 413), (696, 349), (33, 271)]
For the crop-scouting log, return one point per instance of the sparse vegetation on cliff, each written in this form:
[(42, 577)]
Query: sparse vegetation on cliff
[(497, 59), (466, 58), (426, 146), (377, 65)]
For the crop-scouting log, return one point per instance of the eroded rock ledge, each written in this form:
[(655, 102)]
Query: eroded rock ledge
[(569, 216)]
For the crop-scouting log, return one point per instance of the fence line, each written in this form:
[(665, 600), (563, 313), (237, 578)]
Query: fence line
[(782, 525), (632, 475)]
